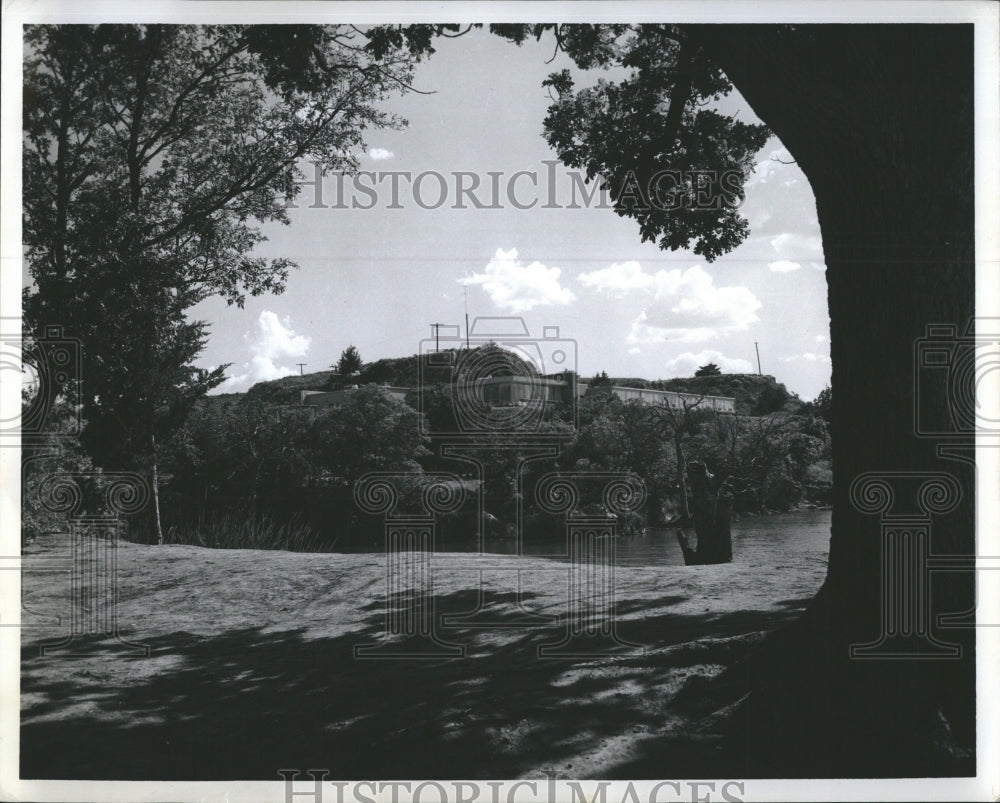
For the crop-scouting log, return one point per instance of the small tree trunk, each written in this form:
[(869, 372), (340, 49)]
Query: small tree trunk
[(721, 525), (156, 492), (685, 510), (711, 521)]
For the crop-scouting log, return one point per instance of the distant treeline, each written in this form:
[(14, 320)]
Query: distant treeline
[(260, 470)]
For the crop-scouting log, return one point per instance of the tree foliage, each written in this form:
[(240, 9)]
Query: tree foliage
[(670, 160), (151, 155), (349, 362), (710, 369)]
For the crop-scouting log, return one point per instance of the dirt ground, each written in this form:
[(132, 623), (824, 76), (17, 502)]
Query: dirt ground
[(252, 666)]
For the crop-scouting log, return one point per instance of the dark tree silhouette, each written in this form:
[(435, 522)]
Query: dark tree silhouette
[(875, 116), (712, 510), (151, 154), (349, 362)]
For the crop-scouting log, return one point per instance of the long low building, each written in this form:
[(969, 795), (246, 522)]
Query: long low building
[(514, 390), (335, 398), (669, 398)]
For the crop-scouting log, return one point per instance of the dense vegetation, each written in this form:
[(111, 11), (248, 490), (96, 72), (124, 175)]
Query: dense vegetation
[(259, 470)]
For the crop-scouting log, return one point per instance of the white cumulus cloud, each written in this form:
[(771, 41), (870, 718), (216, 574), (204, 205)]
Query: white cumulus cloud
[(689, 362), (689, 307), (807, 357), (618, 279), (517, 286), (380, 154), (272, 344), (798, 250), (681, 304)]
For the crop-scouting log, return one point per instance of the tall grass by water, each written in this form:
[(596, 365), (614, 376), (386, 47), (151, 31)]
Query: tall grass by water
[(233, 530)]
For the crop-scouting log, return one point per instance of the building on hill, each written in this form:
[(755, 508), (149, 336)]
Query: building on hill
[(669, 398), (335, 398), (509, 390), (506, 391)]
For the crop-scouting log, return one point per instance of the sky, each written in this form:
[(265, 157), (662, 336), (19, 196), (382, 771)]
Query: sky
[(378, 278)]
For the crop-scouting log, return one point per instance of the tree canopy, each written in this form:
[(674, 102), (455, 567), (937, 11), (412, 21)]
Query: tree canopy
[(151, 155), (671, 161), (349, 362)]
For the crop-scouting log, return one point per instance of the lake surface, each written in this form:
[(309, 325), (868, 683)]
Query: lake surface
[(805, 531), (763, 539)]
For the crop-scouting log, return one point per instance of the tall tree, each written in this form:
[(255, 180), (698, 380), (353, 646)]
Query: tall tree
[(349, 362), (874, 115), (151, 154)]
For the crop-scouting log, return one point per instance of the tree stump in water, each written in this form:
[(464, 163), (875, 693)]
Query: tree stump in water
[(710, 515)]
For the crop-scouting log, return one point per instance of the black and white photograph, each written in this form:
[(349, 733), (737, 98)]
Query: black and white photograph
[(498, 402)]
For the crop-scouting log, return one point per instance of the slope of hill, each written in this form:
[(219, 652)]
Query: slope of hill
[(286, 389), (754, 394)]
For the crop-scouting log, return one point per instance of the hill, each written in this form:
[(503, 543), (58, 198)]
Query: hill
[(754, 394), (286, 389)]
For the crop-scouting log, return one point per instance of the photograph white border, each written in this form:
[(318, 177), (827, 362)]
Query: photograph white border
[(985, 15)]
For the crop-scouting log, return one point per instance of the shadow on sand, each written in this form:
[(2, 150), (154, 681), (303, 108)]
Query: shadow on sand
[(245, 703)]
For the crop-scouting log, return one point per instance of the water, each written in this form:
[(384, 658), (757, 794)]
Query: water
[(805, 533)]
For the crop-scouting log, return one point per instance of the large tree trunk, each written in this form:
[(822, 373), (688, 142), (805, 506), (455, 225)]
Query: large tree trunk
[(880, 119)]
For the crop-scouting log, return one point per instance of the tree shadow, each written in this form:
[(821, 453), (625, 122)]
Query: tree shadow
[(244, 703)]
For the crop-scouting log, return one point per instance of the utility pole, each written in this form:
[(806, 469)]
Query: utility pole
[(301, 364), (758, 358), (466, 289), (437, 332)]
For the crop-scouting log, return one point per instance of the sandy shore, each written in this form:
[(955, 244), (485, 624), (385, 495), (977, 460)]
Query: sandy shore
[(252, 666)]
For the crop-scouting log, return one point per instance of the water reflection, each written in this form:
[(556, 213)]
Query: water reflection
[(755, 540)]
